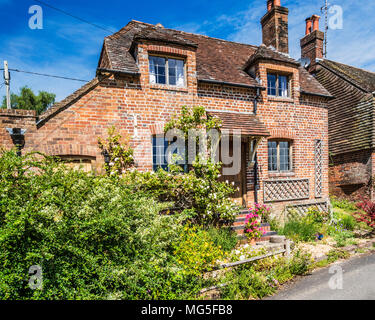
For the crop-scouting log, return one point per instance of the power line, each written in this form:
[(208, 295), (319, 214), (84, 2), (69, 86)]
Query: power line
[(47, 75), (75, 17)]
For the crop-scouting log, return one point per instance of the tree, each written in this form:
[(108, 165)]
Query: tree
[(27, 100)]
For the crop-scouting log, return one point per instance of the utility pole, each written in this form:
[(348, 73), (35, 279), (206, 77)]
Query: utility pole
[(7, 83)]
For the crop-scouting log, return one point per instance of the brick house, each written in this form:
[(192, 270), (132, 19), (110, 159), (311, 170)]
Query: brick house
[(146, 73), (350, 117)]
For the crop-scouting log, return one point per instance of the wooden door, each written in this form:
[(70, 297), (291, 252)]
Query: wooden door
[(239, 180)]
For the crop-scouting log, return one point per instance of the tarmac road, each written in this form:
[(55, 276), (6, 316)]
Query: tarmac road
[(358, 282)]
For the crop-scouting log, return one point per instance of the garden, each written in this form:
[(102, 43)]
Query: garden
[(125, 234)]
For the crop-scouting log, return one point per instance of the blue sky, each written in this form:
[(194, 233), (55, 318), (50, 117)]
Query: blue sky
[(71, 48)]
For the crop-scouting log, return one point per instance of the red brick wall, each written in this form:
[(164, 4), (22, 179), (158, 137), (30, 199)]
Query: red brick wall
[(24, 119), (351, 174), (116, 101)]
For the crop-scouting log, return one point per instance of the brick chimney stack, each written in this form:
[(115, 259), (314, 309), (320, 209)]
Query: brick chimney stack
[(275, 26), (313, 41)]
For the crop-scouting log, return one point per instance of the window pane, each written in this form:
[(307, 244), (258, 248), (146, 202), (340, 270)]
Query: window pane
[(159, 148), (180, 73), (157, 70), (272, 156), (283, 86), (271, 84), (176, 72), (284, 156)]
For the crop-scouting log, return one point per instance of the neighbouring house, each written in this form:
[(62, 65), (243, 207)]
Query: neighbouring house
[(351, 117), (146, 73)]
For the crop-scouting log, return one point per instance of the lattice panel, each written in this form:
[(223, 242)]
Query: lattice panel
[(301, 209), (318, 168), (283, 190)]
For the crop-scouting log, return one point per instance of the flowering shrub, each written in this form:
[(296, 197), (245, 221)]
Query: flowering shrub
[(368, 214), (119, 152), (262, 211), (196, 252), (198, 193), (253, 229)]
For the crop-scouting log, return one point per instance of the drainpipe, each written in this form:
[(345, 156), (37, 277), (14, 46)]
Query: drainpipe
[(256, 101), (256, 187)]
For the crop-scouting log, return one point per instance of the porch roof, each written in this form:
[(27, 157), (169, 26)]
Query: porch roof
[(249, 124)]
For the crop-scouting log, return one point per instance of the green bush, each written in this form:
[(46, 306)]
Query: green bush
[(262, 278), (343, 204), (300, 230), (196, 252), (348, 222), (305, 228), (93, 236), (223, 237)]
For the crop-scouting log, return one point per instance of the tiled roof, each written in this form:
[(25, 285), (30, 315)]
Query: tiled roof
[(62, 105), (249, 124), (268, 53), (309, 85), (217, 60), (362, 78)]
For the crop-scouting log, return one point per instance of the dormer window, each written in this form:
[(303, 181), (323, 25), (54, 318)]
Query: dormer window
[(168, 71), (278, 85)]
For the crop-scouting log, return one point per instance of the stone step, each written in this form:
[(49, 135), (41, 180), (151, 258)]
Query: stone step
[(277, 239)]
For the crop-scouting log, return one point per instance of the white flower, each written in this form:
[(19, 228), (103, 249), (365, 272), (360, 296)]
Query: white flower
[(246, 246), (242, 257), (111, 164)]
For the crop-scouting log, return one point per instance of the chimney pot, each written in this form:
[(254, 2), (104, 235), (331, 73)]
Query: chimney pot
[(269, 5), (308, 26), (273, 3), (315, 18)]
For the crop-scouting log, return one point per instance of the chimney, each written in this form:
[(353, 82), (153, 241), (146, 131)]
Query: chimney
[(275, 26), (312, 42)]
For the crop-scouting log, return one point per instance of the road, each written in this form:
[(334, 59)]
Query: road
[(358, 282)]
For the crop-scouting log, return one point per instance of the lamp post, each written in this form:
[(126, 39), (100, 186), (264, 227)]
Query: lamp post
[(18, 138), (107, 158)]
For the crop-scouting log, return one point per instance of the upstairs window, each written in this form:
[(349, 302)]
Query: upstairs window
[(279, 156), (278, 85), (167, 71)]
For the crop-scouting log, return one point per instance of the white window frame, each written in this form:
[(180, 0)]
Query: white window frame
[(167, 70), (278, 155), (277, 84)]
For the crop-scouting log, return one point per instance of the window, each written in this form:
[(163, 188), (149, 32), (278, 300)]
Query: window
[(277, 85), (167, 71), (78, 162), (159, 150), (160, 154), (279, 156)]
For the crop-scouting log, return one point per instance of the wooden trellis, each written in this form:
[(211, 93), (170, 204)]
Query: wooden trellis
[(285, 190), (318, 168)]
